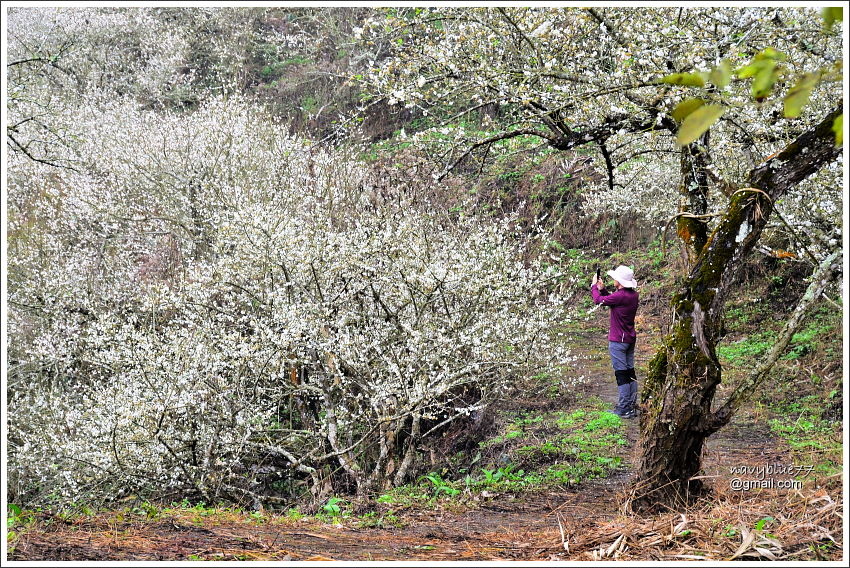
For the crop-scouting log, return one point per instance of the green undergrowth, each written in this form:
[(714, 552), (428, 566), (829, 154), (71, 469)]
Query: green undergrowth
[(557, 448), (18, 522), (812, 338), (754, 320), (746, 349), (800, 401), (815, 442), (531, 450)]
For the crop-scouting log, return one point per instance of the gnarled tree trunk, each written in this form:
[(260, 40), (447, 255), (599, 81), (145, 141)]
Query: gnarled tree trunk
[(679, 390)]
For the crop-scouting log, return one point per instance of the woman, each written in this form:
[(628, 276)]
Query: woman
[(621, 334)]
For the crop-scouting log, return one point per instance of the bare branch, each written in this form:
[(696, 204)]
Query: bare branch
[(491, 140), (21, 148), (609, 166)]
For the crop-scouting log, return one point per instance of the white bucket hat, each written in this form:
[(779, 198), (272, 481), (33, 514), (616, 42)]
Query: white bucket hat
[(623, 275)]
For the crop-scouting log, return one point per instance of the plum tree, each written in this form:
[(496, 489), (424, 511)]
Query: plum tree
[(619, 85)]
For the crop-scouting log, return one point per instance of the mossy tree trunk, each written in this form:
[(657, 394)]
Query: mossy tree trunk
[(679, 390)]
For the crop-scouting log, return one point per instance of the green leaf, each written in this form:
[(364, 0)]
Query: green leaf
[(799, 94), (686, 107), (749, 70), (721, 74), (764, 80), (698, 122), (685, 79), (832, 14), (769, 53), (761, 523), (764, 71), (838, 129), (762, 62), (332, 505)]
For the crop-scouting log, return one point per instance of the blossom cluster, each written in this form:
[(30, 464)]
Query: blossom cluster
[(555, 72), (205, 305)]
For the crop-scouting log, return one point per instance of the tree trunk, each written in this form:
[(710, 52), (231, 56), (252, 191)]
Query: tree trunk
[(683, 376), (692, 224)]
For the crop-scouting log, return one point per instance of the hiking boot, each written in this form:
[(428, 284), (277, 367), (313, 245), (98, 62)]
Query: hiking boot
[(622, 405)]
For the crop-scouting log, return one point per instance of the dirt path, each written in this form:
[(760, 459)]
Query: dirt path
[(528, 527)]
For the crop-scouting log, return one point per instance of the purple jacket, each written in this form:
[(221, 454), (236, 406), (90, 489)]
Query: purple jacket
[(624, 305)]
